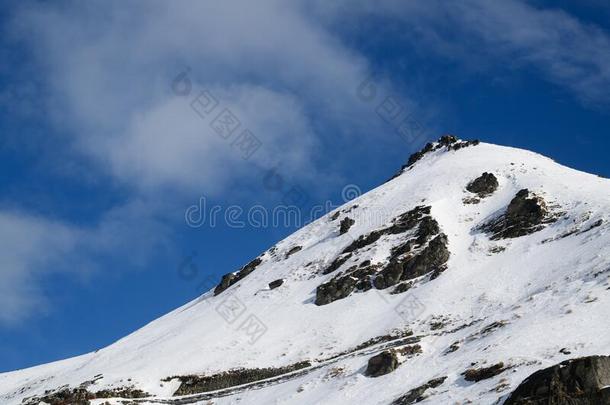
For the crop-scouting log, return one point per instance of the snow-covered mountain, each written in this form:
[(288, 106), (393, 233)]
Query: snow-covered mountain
[(474, 267)]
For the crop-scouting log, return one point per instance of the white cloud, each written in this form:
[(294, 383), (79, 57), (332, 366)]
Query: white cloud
[(109, 67)]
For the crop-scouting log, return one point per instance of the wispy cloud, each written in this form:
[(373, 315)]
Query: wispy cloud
[(28, 246), (109, 66), (570, 53), (34, 248)]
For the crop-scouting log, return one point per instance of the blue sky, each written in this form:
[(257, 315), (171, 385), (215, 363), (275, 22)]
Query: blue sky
[(102, 153)]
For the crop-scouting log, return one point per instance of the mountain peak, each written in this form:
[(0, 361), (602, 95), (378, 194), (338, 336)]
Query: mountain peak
[(474, 267)]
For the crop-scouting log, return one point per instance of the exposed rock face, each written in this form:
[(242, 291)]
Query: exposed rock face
[(335, 289), (524, 215), (401, 224), (389, 276), (583, 381), (417, 394), (363, 241), (338, 262), (419, 154), (346, 223), (275, 284), (229, 279), (194, 384), (293, 251), (423, 251), (76, 396), (484, 185), (381, 364), (81, 396), (431, 259), (484, 373)]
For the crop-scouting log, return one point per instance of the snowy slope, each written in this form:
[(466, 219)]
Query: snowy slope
[(547, 291)]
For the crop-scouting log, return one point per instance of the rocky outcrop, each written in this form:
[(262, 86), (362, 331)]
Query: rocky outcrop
[(194, 384), (363, 240), (76, 396), (401, 224), (389, 276), (526, 214), (275, 284), (335, 289), (583, 381), (338, 262), (381, 364), (293, 251), (423, 252), (484, 185), (417, 394), (431, 259), (229, 279), (81, 396), (484, 373), (345, 224)]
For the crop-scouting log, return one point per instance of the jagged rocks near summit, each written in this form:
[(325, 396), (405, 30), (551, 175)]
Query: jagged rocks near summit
[(449, 142)]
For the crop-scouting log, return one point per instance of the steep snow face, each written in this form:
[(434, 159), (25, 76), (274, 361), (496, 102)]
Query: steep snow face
[(526, 301)]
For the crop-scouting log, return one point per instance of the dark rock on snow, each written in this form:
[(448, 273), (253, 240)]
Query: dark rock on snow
[(403, 223), (293, 251), (484, 185), (275, 284), (389, 276), (524, 215), (582, 381), (409, 220), (335, 289), (195, 384), (81, 396), (403, 264), (346, 223), (363, 241), (402, 287), (431, 259), (417, 394), (381, 364), (484, 373), (448, 141), (338, 262), (229, 279)]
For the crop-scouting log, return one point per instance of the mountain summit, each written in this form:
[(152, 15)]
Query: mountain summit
[(477, 274)]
